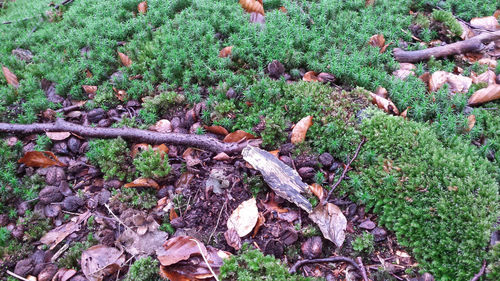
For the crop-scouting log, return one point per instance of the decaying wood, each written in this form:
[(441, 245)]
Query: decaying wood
[(135, 135), (474, 44), (298, 264), (284, 180)]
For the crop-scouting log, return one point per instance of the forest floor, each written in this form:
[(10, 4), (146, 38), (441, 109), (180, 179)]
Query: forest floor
[(217, 140)]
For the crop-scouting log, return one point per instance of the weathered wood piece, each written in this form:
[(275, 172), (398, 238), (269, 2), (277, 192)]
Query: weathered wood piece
[(284, 180)]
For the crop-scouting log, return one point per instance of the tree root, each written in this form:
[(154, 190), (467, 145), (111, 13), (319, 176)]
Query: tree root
[(474, 44), (132, 134), (480, 273), (359, 268)]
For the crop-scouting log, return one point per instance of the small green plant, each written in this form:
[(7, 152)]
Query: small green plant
[(71, 258), (42, 143), (251, 264), (4, 236), (144, 269), (144, 199), (448, 20), (167, 227), (112, 157), (363, 243), (151, 164)]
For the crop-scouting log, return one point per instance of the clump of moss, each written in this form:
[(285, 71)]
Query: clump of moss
[(448, 20), (152, 164), (363, 243), (144, 199), (144, 269), (251, 264), (112, 157), (440, 200)]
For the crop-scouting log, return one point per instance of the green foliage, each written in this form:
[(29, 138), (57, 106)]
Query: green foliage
[(144, 199), (4, 236), (440, 200), (167, 227), (364, 243), (43, 142), (464, 9), (144, 269), (251, 264), (448, 20), (71, 258), (494, 263), (112, 157), (151, 164)]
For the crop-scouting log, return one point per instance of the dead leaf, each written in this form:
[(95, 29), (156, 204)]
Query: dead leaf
[(331, 222), (405, 70), (260, 222), (318, 190), (386, 104), (458, 83), (233, 239), (489, 23), (282, 179), (40, 159), (405, 113), (384, 48), (142, 182), (225, 52), (162, 126), (218, 130), (10, 77), (238, 136), (310, 76), (172, 214), (178, 249), (147, 244), (162, 149), (99, 261), (244, 217), (437, 80), (126, 61), (382, 92), (487, 77), (90, 90), (142, 8), (369, 3), (222, 157), (471, 121), (58, 234), (275, 153), (300, 129), (490, 93), (252, 6), (271, 205), (491, 63), (120, 94), (283, 9), (88, 74), (192, 156), (377, 40), (58, 136), (496, 14), (64, 274)]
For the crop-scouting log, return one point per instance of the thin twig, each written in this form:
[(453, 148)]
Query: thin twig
[(480, 273), (218, 220), (59, 253), (362, 267), (298, 264), (363, 140), (16, 276), (205, 259), (118, 219)]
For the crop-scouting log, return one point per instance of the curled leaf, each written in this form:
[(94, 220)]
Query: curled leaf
[(126, 61), (492, 92), (386, 104), (310, 76), (487, 77), (244, 217), (142, 7), (143, 182), (219, 130), (99, 261), (225, 52), (252, 6), (300, 130), (41, 159), (10, 77), (120, 94), (58, 136), (471, 121), (489, 23), (377, 40), (91, 90), (178, 249), (238, 136), (162, 126), (318, 190), (233, 239), (331, 222)]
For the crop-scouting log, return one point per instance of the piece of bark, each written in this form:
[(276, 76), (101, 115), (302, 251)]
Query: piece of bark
[(136, 135), (474, 44)]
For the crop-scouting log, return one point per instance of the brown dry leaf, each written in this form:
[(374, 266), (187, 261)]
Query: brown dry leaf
[(458, 83), (382, 92), (58, 136), (271, 205), (142, 7), (318, 190), (384, 48), (386, 104), (126, 61), (426, 78), (120, 94), (40, 159), (405, 112), (331, 222), (437, 80), (172, 214), (138, 147), (369, 3), (225, 52), (218, 130), (162, 126), (90, 90), (252, 6), (310, 76), (233, 239), (487, 77), (275, 153), (489, 23), (192, 156), (99, 261), (496, 14), (10, 77), (222, 157), (58, 234), (490, 93), (491, 63), (88, 74), (161, 148), (244, 217), (471, 121), (142, 182), (377, 40), (283, 9), (238, 136), (64, 274), (260, 222), (300, 129), (178, 249), (405, 70)]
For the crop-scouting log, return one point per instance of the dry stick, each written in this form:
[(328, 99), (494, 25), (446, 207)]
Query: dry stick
[(118, 219), (205, 259), (136, 135), (480, 273), (298, 264), (474, 44), (16, 276), (362, 267), (363, 140)]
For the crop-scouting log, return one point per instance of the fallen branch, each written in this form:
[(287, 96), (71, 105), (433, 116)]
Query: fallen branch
[(362, 267), (345, 170), (298, 264), (480, 273), (136, 135), (474, 44)]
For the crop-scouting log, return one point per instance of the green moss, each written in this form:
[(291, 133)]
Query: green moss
[(144, 269), (152, 164), (440, 200), (43, 143), (144, 199), (363, 243), (251, 265), (112, 157), (464, 9), (448, 20), (71, 258)]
